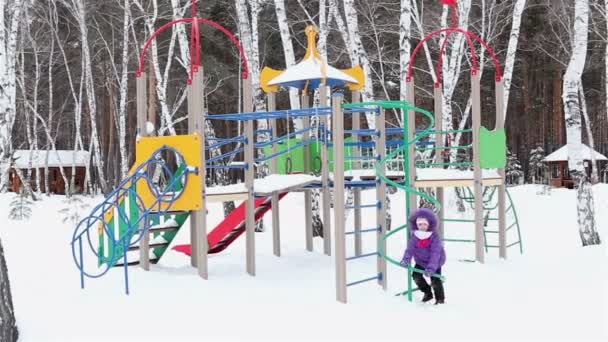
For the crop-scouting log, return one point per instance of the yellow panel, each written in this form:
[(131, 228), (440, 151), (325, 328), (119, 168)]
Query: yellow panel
[(267, 75), (356, 73), (189, 146)]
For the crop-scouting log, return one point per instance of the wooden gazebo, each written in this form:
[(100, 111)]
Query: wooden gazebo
[(37, 161), (558, 165)]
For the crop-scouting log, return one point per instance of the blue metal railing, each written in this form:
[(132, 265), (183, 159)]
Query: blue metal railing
[(96, 221)]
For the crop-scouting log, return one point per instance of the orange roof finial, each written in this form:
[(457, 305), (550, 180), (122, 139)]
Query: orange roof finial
[(311, 47)]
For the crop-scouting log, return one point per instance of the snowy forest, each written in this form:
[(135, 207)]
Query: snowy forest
[(68, 84), (68, 68)]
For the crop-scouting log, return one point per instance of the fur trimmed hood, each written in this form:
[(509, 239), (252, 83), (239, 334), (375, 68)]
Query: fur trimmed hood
[(427, 214)]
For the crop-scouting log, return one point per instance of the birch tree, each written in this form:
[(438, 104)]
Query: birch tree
[(360, 57), (352, 48), (77, 9), (518, 10), (124, 86), (10, 15), (248, 29), (453, 61), (290, 59), (572, 113), (405, 23), (594, 170), (8, 325), (162, 79)]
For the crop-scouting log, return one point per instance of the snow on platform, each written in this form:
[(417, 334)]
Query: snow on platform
[(263, 187), (425, 177)]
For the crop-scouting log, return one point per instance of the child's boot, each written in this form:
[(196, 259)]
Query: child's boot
[(427, 297)]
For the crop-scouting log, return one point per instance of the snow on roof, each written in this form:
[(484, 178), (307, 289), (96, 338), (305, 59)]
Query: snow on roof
[(562, 154), (311, 70), (55, 158)]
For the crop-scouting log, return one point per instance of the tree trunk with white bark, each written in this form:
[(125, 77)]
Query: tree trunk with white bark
[(10, 13), (518, 10), (8, 325), (290, 59), (594, 171), (572, 111), (78, 11), (248, 28)]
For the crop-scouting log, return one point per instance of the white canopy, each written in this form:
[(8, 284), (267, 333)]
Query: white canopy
[(562, 154), (311, 70)]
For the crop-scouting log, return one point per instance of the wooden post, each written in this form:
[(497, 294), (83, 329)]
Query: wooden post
[(249, 178), (477, 186), (142, 114), (338, 141), (191, 129), (325, 178), (502, 190), (197, 125), (411, 128), (439, 153), (276, 227), (381, 198), (307, 193), (273, 126), (356, 164)]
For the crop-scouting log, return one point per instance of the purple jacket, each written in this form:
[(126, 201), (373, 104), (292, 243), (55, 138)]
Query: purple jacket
[(431, 257)]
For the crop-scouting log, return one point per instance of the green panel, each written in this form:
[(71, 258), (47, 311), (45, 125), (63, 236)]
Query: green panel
[(492, 148), (169, 235)]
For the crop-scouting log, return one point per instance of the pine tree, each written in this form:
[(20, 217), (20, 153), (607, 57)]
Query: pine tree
[(20, 206), (537, 167), (8, 326), (514, 173), (74, 205)]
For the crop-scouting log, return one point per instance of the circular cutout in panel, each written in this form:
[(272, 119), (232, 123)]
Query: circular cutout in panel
[(166, 173)]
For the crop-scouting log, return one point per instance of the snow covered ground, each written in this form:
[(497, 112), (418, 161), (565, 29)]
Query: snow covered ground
[(556, 290)]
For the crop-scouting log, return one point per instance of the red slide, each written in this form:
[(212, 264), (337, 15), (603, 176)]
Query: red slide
[(232, 227)]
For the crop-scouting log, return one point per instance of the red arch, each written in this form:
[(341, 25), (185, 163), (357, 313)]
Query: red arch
[(194, 59), (445, 42), (450, 31)]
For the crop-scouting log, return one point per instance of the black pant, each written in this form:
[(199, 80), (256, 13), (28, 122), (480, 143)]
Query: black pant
[(436, 283)]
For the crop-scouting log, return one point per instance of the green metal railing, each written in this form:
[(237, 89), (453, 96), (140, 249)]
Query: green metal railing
[(402, 154), (404, 150)]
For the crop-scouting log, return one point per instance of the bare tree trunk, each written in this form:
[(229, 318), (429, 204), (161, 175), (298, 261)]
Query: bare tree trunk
[(451, 66), (594, 171), (572, 110), (80, 16), (290, 59), (8, 324), (49, 138), (8, 47), (124, 85), (512, 50), (405, 23), (352, 24), (248, 28)]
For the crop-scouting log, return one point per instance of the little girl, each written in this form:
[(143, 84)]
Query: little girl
[(426, 247)]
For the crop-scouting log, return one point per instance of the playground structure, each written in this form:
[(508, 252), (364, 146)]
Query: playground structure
[(141, 206)]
